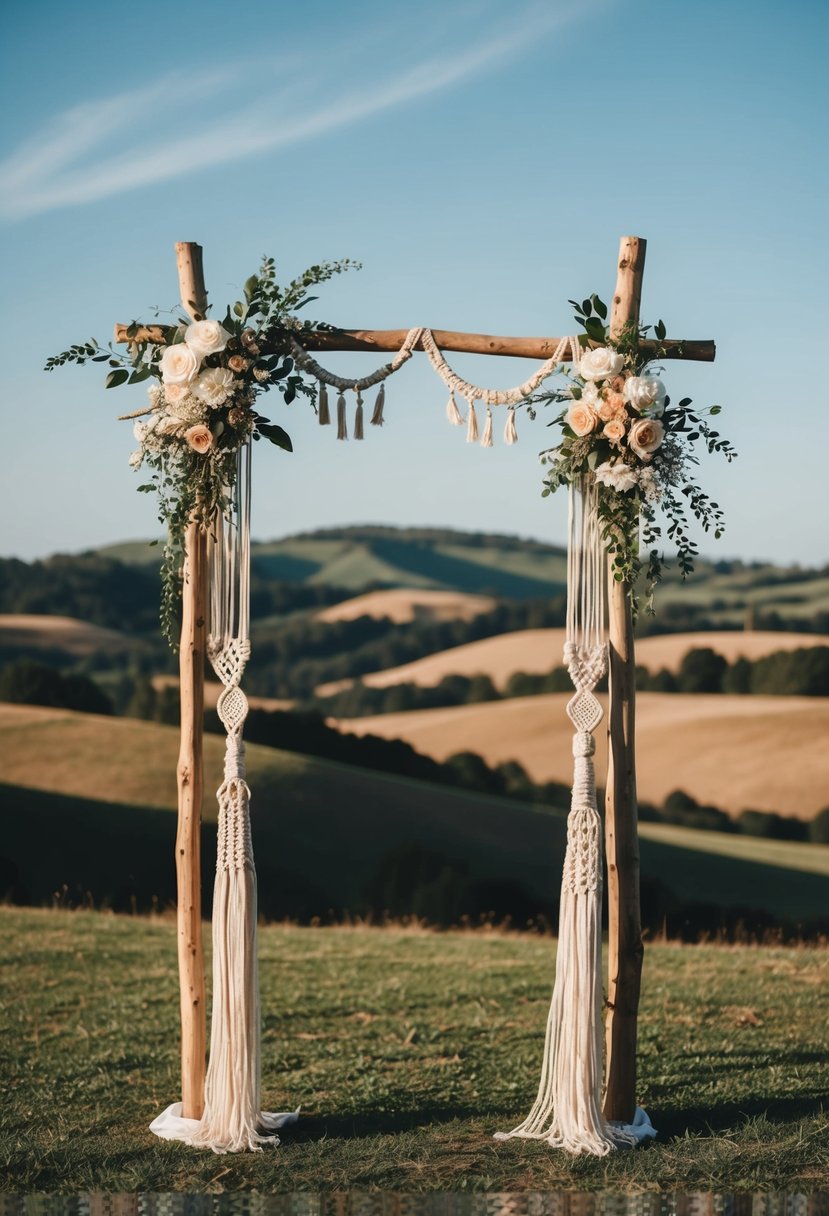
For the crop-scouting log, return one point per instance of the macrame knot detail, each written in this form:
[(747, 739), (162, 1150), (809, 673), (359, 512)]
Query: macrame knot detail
[(232, 708), (229, 661), (581, 863), (583, 743)]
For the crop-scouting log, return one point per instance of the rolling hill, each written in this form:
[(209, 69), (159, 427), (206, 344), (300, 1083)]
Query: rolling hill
[(88, 802), (537, 651), (764, 753)]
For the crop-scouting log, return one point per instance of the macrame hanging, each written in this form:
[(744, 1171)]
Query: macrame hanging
[(567, 1110), (232, 1120)]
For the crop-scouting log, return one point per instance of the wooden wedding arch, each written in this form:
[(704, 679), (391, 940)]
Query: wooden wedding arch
[(625, 948)]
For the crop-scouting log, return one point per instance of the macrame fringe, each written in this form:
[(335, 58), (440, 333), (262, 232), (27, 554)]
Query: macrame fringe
[(486, 441), (452, 412), (472, 423), (323, 410), (567, 1109), (510, 433), (377, 418), (232, 1121), (342, 425)]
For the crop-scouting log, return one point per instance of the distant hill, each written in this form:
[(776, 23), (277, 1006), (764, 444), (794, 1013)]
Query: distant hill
[(727, 594), (88, 802), (736, 753)]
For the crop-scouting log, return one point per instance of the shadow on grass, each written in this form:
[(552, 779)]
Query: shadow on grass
[(726, 1116)]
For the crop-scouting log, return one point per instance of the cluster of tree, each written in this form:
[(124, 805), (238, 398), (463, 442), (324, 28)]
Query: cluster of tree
[(304, 653), (681, 809), (27, 682), (803, 672)]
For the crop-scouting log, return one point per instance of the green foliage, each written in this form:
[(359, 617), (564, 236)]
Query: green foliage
[(656, 481), (819, 827), (192, 479)]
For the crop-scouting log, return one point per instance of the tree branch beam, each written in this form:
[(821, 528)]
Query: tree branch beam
[(390, 340)]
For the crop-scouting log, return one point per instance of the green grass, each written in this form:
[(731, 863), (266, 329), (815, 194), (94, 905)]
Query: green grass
[(406, 1050)]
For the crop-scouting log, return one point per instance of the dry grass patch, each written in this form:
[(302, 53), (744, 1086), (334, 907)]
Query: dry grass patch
[(767, 753), (404, 604)]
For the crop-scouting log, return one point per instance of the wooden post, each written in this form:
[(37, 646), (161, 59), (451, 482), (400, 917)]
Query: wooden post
[(189, 772), (625, 949)]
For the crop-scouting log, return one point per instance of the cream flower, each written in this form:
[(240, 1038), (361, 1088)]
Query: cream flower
[(206, 337), (600, 363), (214, 386), (179, 364), (199, 437), (187, 408), (646, 394), (646, 436), (582, 418), (617, 475), (174, 393), (614, 430), (136, 459)]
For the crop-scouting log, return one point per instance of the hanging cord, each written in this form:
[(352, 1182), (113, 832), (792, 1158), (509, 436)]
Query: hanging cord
[(491, 396), (310, 365)]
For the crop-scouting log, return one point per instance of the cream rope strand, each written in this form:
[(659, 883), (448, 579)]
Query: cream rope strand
[(310, 365), (491, 396)]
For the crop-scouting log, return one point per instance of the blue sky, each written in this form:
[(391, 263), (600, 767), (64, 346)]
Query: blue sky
[(481, 160)]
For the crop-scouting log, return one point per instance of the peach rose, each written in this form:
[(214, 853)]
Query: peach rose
[(200, 438), (582, 418), (645, 437), (614, 430), (175, 392), (612, 406), (237, 363)]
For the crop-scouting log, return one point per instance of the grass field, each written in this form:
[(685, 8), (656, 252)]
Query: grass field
[(406, 1051)]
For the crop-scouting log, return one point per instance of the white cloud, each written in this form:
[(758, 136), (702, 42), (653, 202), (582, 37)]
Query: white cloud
[(70, 163)]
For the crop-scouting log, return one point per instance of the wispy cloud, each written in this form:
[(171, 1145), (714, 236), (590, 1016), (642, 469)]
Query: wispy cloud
[(70, 162)]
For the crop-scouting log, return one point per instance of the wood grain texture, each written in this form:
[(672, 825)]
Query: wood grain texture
[(625, 949)]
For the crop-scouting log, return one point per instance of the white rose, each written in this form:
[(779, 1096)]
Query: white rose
[(214, 386), (179, 364), (646, 394), (600, 363), (206, 337), (645, 437), (617, 475)]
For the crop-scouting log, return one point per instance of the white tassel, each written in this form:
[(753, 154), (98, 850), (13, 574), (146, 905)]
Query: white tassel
[(486, 441), (567, 1110), (342, 425), (452, 412), (323, 410), (377, 418), (472, 423), (232, 1109), (358, 418), (510, 433)]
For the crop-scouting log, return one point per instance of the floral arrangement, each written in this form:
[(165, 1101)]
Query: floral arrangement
[(206, 376), (621, 428)]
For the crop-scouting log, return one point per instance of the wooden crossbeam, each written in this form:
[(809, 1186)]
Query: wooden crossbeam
[(381, 340)]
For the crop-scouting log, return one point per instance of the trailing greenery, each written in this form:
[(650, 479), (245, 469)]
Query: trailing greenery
[(621, 431), (202, 411)]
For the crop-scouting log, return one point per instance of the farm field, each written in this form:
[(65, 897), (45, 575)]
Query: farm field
[(537, 651), (402, 604), (406, 1050), (766, 753), (89, 802)]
